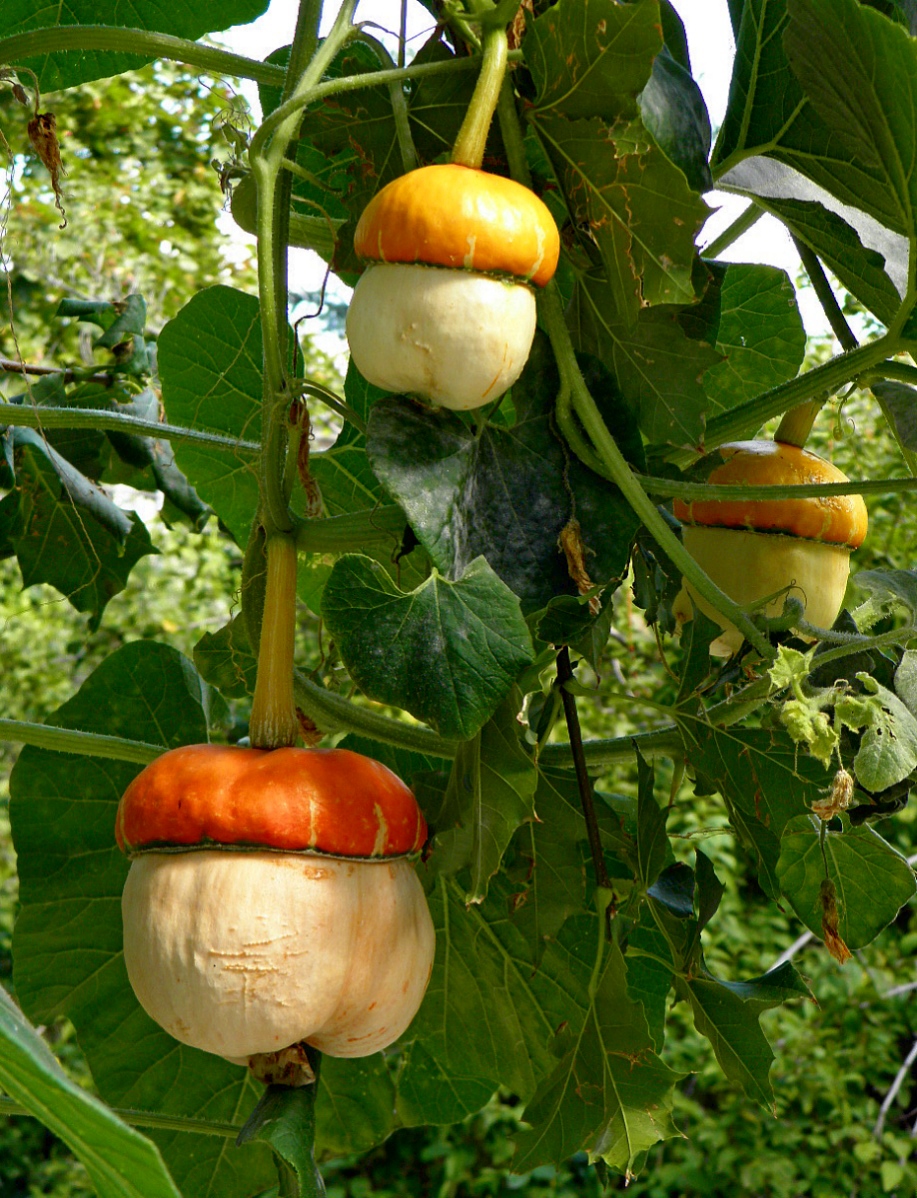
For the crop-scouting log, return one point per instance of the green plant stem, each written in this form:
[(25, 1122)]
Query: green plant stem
[(273, 723), (899, 372), (821, 381), (349, 533), (618, 470), (472, 136), (334, 713), (41, 42), (825, 295), (798, 422), (152, 1119), (399, 101), (742, 223), (598, 448), (86, 744), (267, 153), (39, 417), (669, 488), (664, 742), (897, 636)]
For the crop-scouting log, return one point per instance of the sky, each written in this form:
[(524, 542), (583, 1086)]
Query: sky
[(711, 46)]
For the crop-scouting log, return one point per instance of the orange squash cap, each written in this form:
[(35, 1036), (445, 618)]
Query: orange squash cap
[(834, 520), (329, 801), (451, 215)]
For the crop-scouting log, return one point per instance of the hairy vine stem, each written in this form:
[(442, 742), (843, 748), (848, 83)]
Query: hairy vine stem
[(595, 444)]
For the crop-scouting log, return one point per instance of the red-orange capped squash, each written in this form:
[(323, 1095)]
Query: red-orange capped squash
[(756, 549), (445, 310), (271, 900)]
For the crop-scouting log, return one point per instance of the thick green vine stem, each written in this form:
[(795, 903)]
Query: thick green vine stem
[(267, 153), (273, 722), (472, 137)]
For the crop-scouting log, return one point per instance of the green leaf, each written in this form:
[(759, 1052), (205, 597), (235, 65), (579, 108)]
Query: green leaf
[(447, 652), (355, 1104), (225, 660), (871, 880), (657, 367), (59, 542), (609, 1094), (504, 493), (635, 205), (900, 585), (859, 72), (209, 361), (121, 1163), (553, 886), (899, 402), (65, 69), (67, 943), (873, 277), (728, 1014), (285, 1119), (673, 110), (491, 793), (653, 850), (427, 1093), (760, 335), (888, 749), (592, 57), (765, 781), (481, 1018)]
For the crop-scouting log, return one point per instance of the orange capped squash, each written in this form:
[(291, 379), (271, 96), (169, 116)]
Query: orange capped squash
[(272, 899), (445, 308), (755, 548)]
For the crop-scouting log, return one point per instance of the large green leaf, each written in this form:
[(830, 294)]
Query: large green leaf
[(658, 368), (181, 18), (760, 335), (490, 794), (209, 361), (840, 116), (870, 880), (673, 110), (428, 1093), (859, 72), (58, 541), (765, 780), (729, 1013), (481, 1018), (446, 652), (67, 943), (632, 204), (876, 279), (592, 57), (355, 1104), (504, 493), (609, 1094), (120, 1162)]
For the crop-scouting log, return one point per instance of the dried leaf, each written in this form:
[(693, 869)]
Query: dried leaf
[(571, 542), (43, 136), (838, 797), (827, 896)]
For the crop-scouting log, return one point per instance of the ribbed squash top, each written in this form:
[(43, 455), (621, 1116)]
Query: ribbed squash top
[(833, 519), (324, 800), (451, 215)]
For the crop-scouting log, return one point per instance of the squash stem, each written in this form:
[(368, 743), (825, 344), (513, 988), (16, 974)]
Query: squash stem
[(273, 723), (796, 424), (472, 137)]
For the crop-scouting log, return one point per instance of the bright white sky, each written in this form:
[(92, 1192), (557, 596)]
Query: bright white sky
[(711, 46)]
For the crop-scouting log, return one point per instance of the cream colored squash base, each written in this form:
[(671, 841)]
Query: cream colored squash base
[(749, 566), (250, 952), (454, 337)]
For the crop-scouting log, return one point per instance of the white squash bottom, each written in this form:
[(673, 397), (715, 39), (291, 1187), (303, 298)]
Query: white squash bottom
[(749, 566), (455, 337), (240, 953)]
